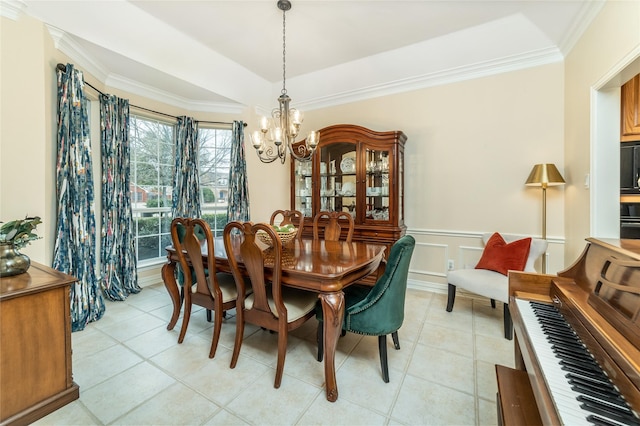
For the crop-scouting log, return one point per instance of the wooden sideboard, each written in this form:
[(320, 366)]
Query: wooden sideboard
[(35, 345)]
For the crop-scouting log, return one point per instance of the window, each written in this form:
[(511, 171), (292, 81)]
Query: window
[(152, 163), (214, 159)]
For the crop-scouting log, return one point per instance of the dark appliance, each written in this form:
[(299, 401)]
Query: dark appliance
[(630, 168), (629, 218)]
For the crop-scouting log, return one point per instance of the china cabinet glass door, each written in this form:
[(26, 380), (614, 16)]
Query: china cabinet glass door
[(303, 187), (377, 186), (338, 189)]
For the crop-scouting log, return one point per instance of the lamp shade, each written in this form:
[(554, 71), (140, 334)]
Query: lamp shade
[(544, 175)]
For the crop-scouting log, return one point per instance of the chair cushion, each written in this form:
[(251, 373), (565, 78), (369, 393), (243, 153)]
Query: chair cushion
[(227, 286), (481, 281), (298, 303), (500, 256)]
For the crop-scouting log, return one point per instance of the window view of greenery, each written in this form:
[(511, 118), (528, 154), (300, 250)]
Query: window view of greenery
[(214, 155), (152, 162)]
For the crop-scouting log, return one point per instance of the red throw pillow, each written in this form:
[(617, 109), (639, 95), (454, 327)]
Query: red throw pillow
[(501, 257)]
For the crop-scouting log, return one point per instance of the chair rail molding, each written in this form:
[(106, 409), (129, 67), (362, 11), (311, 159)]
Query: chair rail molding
[(434, 247)]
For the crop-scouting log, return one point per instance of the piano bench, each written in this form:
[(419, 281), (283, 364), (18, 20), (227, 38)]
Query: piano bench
[(515, 402)]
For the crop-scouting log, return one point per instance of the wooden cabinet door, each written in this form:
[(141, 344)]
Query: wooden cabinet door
[(630, 110)]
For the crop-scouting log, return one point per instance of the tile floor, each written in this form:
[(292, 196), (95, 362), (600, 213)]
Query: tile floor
[(131, 371)]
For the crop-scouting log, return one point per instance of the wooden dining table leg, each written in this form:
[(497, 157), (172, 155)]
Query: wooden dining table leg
[(333, 313), (169, 279)]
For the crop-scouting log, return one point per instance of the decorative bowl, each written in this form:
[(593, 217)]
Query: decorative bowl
[(285, 237)]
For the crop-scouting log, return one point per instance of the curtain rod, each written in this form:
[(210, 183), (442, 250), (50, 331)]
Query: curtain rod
[(63, 68)]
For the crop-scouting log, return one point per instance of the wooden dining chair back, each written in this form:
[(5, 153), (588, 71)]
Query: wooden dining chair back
[(215, 291), (288, 217), (270, 305), (332, 228)]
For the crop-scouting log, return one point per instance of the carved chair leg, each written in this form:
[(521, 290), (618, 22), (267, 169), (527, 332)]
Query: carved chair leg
[(493, 303), (382, 347), (508, 323), (396, 341), (451, 298), (208, 315)]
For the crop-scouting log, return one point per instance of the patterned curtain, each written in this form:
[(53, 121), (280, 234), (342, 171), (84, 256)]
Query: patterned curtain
[(75, 247), (238, 207), (117, 254), (186, 184)]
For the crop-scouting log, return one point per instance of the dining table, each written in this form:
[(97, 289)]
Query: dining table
[(323, 267)]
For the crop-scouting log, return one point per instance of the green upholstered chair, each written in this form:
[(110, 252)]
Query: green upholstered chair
[(378, 310)]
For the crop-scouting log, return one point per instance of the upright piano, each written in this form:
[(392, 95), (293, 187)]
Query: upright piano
[(577, 342)]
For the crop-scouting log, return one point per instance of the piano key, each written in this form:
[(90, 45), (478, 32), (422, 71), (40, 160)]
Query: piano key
[(596, 386), (590, 392), (608, 411), (613, 407), (599, 421), (593, 376), (595, 393), (553, 328), (596, 373)]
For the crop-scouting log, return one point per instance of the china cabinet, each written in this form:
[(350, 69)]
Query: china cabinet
[(359, 171)]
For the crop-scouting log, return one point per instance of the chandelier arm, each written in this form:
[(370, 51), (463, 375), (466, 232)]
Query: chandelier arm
[(302, 157), (269, 156)]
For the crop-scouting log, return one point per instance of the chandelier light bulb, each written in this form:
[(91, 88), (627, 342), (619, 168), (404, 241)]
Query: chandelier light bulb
[(264, 124), (296, 117)]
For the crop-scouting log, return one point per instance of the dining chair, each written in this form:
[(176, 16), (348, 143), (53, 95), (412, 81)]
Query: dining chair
[(492, 284), (215, 291), (377, 310), (288, 216), (332, 229), (271, 305)]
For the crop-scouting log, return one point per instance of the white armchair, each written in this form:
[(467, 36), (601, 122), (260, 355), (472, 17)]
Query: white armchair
[(493, 285)]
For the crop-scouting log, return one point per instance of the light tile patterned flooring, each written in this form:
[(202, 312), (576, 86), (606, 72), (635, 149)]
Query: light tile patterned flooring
[(131, 371)]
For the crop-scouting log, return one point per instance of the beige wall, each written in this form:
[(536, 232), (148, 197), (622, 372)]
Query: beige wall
[(471, 145), (602, 53), (24, 161), (470, 148)]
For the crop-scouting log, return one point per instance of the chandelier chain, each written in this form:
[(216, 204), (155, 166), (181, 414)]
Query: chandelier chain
[(284, 53)]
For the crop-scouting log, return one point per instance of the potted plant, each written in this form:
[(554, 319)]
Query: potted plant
[(14, 235)]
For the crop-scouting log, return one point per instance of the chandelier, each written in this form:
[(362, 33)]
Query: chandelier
[(278, 133)]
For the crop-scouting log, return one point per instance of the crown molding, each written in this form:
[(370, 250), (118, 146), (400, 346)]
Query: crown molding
[(510, 63), (76, 53), (12, 9), (438, 78), (585, 17), (87, 62), (135, 87)]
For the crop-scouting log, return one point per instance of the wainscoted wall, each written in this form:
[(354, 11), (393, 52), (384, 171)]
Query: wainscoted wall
[(434, 249)]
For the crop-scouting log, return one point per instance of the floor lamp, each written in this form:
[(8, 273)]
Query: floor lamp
[(544, 175)]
